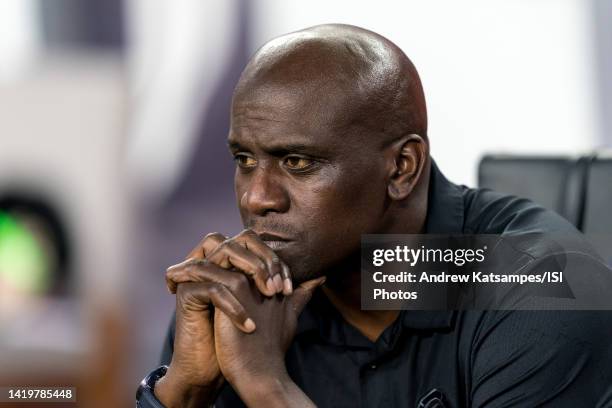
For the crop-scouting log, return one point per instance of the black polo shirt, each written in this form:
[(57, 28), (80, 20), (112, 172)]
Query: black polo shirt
[(455, 358)]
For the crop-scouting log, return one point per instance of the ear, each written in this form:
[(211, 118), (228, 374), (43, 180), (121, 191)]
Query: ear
[(409, 155)]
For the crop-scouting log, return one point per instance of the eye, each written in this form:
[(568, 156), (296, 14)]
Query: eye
[(245, 161), (297, 162)]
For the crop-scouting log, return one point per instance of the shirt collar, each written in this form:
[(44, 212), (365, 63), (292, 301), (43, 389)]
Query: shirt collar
[(310, 319), (445, 210)]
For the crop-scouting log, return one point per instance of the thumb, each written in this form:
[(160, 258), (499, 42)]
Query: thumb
[(301, 296)]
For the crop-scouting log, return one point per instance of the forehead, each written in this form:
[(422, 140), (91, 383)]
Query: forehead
[(271, 115)]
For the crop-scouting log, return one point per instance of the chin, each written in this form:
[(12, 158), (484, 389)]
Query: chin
[(311, 264), (302, 270), (299, 270)]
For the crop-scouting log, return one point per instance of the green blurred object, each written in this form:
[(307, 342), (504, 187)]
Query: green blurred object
[(24, 265)]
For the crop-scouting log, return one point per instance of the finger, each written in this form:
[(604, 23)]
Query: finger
[(302, 295), (252, 242), (196, 295), (185, 271), (287, 282), (207, 244), (211, 240), (202, 270), (232, 254)]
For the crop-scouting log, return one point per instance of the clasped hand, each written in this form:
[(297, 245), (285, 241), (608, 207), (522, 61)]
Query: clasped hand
[(236, 315)]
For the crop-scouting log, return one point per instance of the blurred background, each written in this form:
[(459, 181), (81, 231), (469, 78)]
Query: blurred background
[(113, 165)]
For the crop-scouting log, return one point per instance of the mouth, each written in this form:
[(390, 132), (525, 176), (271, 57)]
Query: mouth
[(277, 245), (274, 241)]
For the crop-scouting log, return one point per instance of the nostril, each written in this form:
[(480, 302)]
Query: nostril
[(263, 196)]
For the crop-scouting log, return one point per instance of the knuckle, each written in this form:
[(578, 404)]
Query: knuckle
[(211, 241), (219, 251), (247, 233), (260, 269), (195, 263), (227, 243), (224, 246), (213, 255), (173, 271), (215, 289), (214, 236), (238, 281)]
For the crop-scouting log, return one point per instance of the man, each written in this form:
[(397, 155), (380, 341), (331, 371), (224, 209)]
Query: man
[(329, 133)]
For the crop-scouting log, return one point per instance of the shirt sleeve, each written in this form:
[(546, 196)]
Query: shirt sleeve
[(147, 398), (542, 358)]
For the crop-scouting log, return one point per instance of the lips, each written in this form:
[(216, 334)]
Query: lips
[(268, 236), (277, 245), (274, 241)]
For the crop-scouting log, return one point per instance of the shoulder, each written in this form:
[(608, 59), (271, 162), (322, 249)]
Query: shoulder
[(530, 358), (491, 212)]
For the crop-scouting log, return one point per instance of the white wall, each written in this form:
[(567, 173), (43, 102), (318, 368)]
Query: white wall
[(514, 76), (20, 39), (177, 53)]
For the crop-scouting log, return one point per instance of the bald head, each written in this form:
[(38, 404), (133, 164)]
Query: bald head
[(343, 75), (328, 131)]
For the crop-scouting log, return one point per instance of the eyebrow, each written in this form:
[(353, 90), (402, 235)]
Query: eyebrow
[(280, 149)]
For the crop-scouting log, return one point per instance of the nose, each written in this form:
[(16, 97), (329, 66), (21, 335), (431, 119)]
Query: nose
[(264, 193)]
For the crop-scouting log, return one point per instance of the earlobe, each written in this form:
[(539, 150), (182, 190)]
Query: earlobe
[(409, 155)]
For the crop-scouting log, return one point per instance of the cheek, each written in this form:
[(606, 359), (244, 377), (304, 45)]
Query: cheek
[(333, 213), (345, 208), (239, 188)]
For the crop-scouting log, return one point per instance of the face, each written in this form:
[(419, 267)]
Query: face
[(307, 185)]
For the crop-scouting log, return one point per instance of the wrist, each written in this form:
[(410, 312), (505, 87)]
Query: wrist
[(268, 390), (145, 394), (174, 391)]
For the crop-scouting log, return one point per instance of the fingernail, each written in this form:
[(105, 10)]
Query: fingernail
[(249, 324), (287, 287), (270, 285), (278, 282)]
